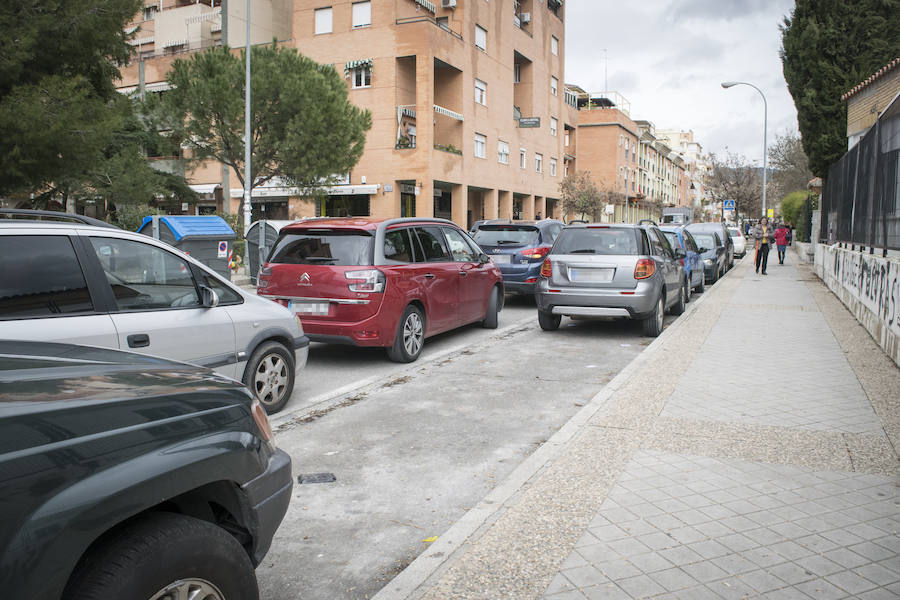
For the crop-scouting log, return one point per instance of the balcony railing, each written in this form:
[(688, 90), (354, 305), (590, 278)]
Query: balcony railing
[(426, 18)]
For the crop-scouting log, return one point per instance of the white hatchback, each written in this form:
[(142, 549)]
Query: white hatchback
[(740, 242), (101, 286)]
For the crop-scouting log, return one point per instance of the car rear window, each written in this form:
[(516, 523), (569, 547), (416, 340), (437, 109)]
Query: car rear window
[(596, 240), (705, 240), (734, 232), (340, 247), (506, 235)]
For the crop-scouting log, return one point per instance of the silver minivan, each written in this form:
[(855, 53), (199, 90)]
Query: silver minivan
[(101, 286), (615, 270)]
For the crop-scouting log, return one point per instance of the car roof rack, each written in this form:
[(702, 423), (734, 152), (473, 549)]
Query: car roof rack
[(52, 215), (650, 221)]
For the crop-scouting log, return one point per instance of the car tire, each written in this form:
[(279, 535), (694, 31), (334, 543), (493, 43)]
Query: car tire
[(549, 321), (165, 552), (410, 336), (653, 325), (678, 307), (492, 317), (270, 375)]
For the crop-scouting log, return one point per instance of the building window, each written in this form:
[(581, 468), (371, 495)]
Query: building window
[(523, 158), (554, 45), (552, 167), (149, 13), (517, 73), (480, 92), (480, 146), (567, 138), (362, 14), (554, 86), (626, 145), (538, 162), (362, 77), (481, 37), (554, 125), (503, 153), (323, 20)]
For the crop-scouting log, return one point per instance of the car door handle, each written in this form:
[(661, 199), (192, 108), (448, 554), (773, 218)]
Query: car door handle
[(463, 274), (138, 340), (429, 275)]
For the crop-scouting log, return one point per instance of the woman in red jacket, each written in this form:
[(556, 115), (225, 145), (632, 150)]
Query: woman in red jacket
[(781, 240)]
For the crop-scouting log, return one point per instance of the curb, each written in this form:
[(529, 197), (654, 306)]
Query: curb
[(410, 583)]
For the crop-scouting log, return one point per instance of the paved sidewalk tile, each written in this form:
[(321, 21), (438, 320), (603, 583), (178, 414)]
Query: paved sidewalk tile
[(790, 532)]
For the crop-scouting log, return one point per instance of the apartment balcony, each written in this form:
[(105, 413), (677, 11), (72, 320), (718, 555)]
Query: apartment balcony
[(406, 127)]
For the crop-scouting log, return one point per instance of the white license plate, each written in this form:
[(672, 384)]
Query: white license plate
[(309, 308), (501, 259), (591, 275)]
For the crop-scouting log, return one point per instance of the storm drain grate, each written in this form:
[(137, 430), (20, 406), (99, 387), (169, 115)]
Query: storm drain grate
[(316, 478)]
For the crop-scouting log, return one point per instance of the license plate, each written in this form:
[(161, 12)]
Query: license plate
[(501, 259), (309, 308), (591, 275)]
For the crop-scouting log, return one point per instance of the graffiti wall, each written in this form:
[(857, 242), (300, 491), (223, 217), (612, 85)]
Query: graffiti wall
[(870, 288)]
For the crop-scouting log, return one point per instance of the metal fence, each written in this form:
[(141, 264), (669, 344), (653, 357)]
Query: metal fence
[(861, 199)]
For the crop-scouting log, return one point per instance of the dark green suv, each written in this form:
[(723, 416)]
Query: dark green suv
[(129, 476)]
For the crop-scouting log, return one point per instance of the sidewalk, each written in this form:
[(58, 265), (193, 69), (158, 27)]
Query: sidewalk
[(750, 451)]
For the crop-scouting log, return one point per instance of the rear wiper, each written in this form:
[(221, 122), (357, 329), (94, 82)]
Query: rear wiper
[(320, 259), (583, 251), (501, 242)]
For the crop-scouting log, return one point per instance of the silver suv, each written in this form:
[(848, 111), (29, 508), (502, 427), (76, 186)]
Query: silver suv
[(101, 286), (596, 270)]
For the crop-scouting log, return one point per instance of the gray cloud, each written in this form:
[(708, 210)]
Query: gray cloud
[(716, 10)]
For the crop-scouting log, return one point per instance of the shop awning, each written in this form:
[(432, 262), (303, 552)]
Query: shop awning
[(355, 64)]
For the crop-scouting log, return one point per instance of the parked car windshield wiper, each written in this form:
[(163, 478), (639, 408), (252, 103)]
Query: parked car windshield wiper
[(320, 259), (583, 251), (501, 242)]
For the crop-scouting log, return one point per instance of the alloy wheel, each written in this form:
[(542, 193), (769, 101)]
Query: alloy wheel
[(660, 314), (269, 382), (189, 589), (412, 333)]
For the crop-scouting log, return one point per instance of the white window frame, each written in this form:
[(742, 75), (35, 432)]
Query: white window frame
[(554, 45), (552, 167), (523, 158), (502, 152), (358, 20), (321, 12), (517, 73), (365, 76), (483, 35), (480, 92), (480, 145), (554, 86), (554, 126), (538, 162), (567, 138)]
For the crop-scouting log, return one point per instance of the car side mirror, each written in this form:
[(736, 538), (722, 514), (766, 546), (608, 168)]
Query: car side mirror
[(209, 297), (484, 259), (701, 250), (680, 253)]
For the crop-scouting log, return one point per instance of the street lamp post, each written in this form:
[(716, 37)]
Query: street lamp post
[(728, 84), (247, 182)]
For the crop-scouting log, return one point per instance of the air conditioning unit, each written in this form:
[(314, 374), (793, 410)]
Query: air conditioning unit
[(525, 18), (448, 3)]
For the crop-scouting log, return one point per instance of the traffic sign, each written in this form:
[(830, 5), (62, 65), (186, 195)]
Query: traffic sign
[(770, 213), (728, 205)]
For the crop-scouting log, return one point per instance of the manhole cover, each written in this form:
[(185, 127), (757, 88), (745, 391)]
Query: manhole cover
[(316, 478)]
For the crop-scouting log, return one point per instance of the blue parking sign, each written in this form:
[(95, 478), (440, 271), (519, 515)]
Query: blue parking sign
[(728, 205)]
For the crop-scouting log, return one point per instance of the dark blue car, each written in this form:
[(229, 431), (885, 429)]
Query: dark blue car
[(518, 248), (680, 237)]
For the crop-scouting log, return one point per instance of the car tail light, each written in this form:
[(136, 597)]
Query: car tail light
[(369, 280), (644, 268), (262, 421), (539, 252), (546, 268)]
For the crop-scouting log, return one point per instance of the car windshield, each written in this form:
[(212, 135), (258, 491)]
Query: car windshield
[(506, 235), (596, 240), (673, 239), (704, 240), (734, 232), (323, 247)]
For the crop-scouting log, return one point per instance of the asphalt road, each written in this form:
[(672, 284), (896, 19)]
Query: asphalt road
[(413, 447)]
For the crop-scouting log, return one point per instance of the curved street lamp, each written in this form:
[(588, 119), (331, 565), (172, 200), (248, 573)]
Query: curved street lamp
[(728, 84)]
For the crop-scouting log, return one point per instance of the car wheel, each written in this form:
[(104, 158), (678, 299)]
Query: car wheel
[(165, 556), (270, 375), (549, 321), (410, 336), (653, 325), (678, 307), (492, 317), (702, 285)]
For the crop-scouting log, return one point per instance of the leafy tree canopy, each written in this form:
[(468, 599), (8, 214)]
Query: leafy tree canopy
[(58, 60), (580, 195), (828, 46), (788, 164), (733, 177), (303, 126)]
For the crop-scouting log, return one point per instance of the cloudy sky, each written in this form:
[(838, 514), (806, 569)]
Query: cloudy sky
[(668, 57)]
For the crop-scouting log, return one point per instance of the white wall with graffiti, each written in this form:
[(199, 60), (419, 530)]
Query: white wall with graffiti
[(870, 288)]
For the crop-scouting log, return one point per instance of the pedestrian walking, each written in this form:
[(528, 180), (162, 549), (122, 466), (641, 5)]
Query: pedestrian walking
[(782, 239), (763, 234)]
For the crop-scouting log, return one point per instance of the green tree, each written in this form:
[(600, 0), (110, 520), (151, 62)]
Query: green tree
[(58, 60), (792, 206), (828, 46), (580, 195), (732, 177), (303, 126)]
